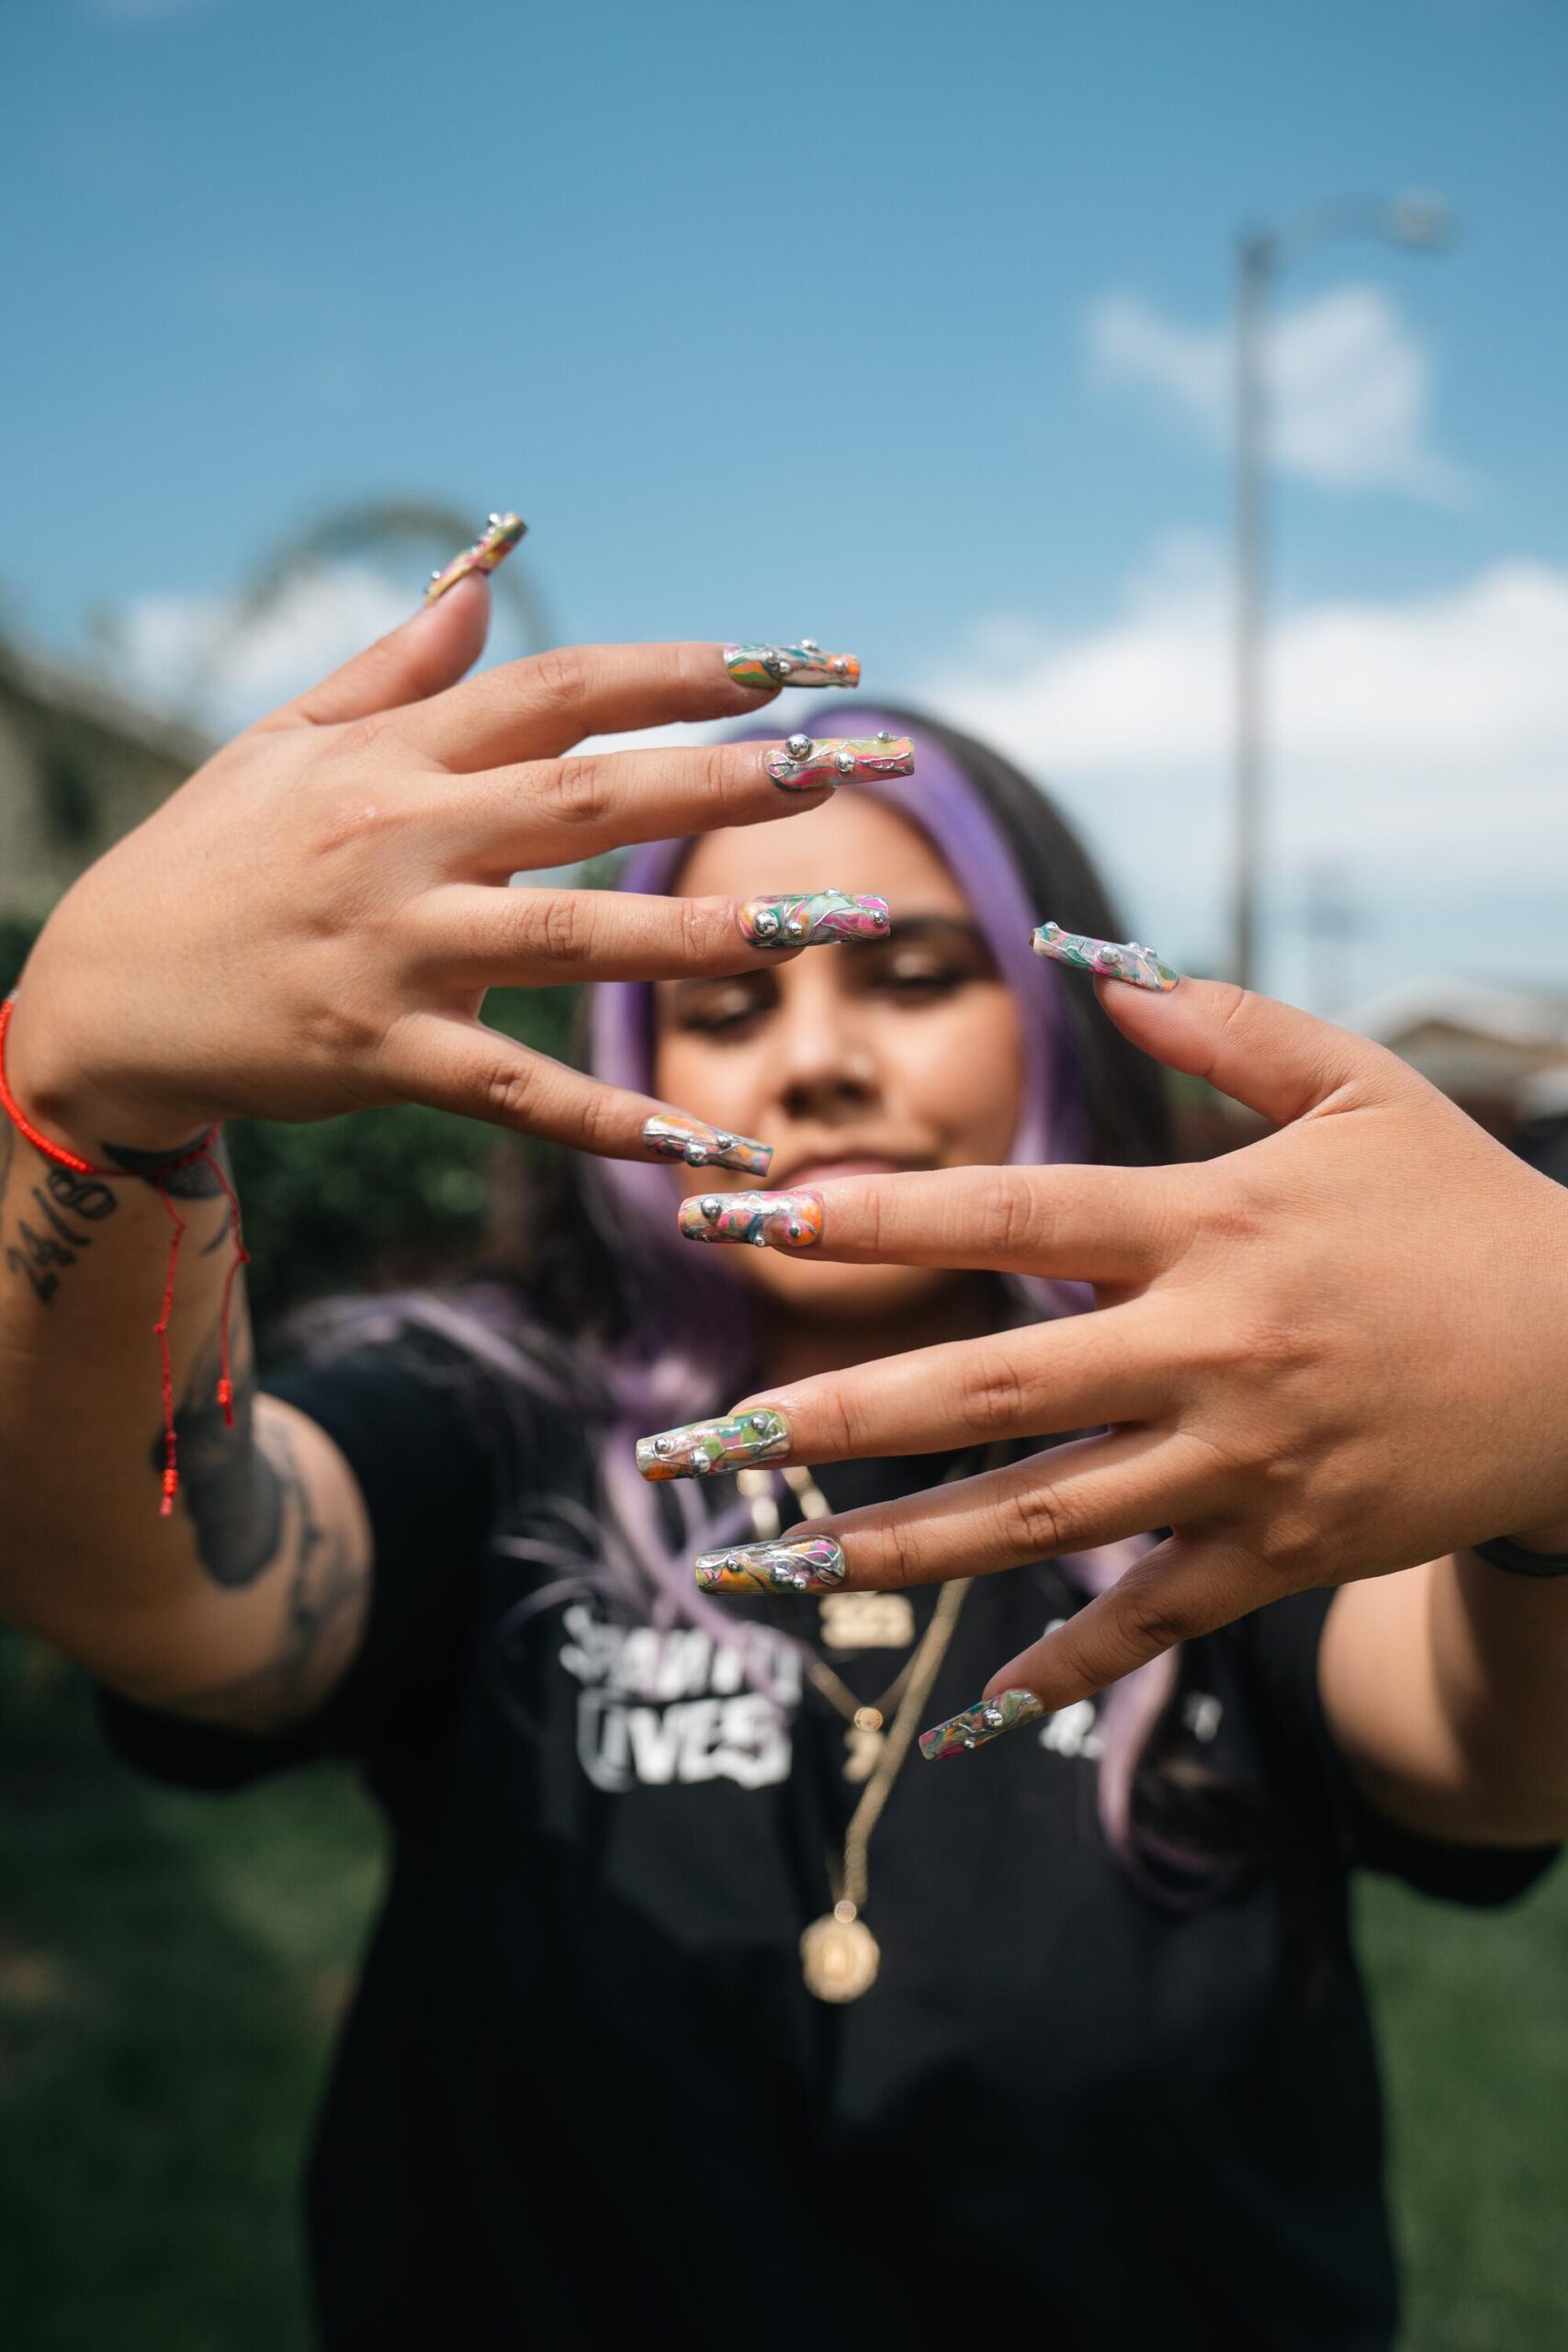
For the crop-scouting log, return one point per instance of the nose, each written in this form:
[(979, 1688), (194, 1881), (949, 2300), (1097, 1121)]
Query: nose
[(826, 1067)]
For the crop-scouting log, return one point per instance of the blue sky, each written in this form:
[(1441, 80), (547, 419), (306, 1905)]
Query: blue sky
[(895, 323)]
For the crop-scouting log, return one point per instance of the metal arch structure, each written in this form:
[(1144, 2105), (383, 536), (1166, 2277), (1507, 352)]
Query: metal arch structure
[(373, 526)]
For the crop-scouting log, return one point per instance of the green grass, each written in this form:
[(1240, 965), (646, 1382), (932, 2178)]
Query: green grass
[(172, 1969), (1473, 2014)]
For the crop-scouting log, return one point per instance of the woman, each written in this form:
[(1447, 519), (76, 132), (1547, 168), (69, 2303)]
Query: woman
[(1105, 2065)]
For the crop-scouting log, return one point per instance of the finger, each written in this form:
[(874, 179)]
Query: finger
[(1279, 1061), (1116, 1366), (551, 812), (537, 708), (529, 938), (457, 1065), (1071, 1497), (1186, 1587), (425, 654), (1115, 1225)]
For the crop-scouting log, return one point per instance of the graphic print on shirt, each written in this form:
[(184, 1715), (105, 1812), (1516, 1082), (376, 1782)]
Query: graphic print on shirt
[(675, 1706)]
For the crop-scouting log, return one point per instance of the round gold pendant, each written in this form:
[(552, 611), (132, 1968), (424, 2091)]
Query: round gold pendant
[(839, 1956)]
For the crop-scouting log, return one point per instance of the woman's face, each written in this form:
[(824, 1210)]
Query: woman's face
[(906, 1052)]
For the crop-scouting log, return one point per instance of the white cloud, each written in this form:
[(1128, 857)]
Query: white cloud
[(1350, 383), (201, 655), (1420, 746)]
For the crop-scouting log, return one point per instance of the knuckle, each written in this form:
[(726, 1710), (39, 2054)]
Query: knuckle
[(992, 1393), (1010, 1217), (898, 1561), (711, 773), (566, 929), (705, 931), (1149, 1621), (509, 1093), (583, 792), (1033, 1522), (560, 676)]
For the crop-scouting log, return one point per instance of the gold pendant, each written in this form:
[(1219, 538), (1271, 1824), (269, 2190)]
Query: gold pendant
[(867, 1621), (865, 1740), (839, 1956)]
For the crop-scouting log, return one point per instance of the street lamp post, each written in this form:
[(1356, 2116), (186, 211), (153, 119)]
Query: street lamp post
[(1418, 223)]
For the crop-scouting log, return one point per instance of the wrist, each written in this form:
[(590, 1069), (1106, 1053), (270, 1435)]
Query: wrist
[(77, 1112)]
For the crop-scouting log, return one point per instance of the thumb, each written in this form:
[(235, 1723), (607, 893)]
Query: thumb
[(426, 653), (1280, 1062)]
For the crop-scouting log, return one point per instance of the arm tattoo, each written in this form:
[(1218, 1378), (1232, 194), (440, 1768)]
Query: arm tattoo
[(323, 1585), (54, 1231), (232, 1488)]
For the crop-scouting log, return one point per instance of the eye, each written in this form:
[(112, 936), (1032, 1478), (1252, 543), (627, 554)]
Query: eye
[(919, 975), (724, 1008)]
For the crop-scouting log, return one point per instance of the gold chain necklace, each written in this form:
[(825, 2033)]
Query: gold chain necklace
[(840, 1957)]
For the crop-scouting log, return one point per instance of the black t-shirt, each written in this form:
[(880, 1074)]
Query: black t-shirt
[(584, 2094)]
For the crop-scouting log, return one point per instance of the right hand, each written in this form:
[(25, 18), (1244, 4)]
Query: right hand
[(310, 925)]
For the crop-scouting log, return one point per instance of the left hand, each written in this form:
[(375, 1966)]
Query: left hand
[(1339, 1352)]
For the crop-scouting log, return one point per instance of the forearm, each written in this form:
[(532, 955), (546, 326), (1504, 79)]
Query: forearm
[(1499, 1646), (1447, 1688), (239, 1600)]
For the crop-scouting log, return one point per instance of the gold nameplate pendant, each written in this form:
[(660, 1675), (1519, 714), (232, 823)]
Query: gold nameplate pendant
[(839, 1956)]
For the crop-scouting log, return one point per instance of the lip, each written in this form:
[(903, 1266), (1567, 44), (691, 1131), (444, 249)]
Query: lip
[(797, 1175)]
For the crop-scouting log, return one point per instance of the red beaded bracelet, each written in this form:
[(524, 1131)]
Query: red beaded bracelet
[(202, 1151)]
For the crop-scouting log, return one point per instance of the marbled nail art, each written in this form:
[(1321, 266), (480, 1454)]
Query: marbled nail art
[(809, 1564), (804, 664), (704, 1448), (805, 761), (811, 919), (786, 1220), (494, 544), (1139, 965), (976, 1724), (673, 1135)]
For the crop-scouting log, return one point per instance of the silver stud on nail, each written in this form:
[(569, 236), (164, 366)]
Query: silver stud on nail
[(759, 1422), (663, 1446), (844, 761), (879, 917), (724, 1138), (781, 668), (766, 923), (837, 665), (795, 1228), (883, 735), (709, 1205), (796, 926), (810, 645), (697, 1157), (797, 746)]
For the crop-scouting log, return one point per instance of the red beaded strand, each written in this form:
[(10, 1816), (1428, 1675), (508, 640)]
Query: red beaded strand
[(241, 1257)]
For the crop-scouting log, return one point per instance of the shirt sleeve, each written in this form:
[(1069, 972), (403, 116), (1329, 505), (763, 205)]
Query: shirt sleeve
[(1284, 1641), (424, 1436)]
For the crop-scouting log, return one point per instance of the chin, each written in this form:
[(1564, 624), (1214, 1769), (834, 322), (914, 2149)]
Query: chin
[(841, 1294)]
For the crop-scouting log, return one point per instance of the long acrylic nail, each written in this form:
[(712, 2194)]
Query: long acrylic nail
[(494, 544), (809, 1564), (783, 1220), (807, 760), (804, 664), (673, 1135), (976, 1724), (704, 1448), (811, 919), (1138, 965)]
